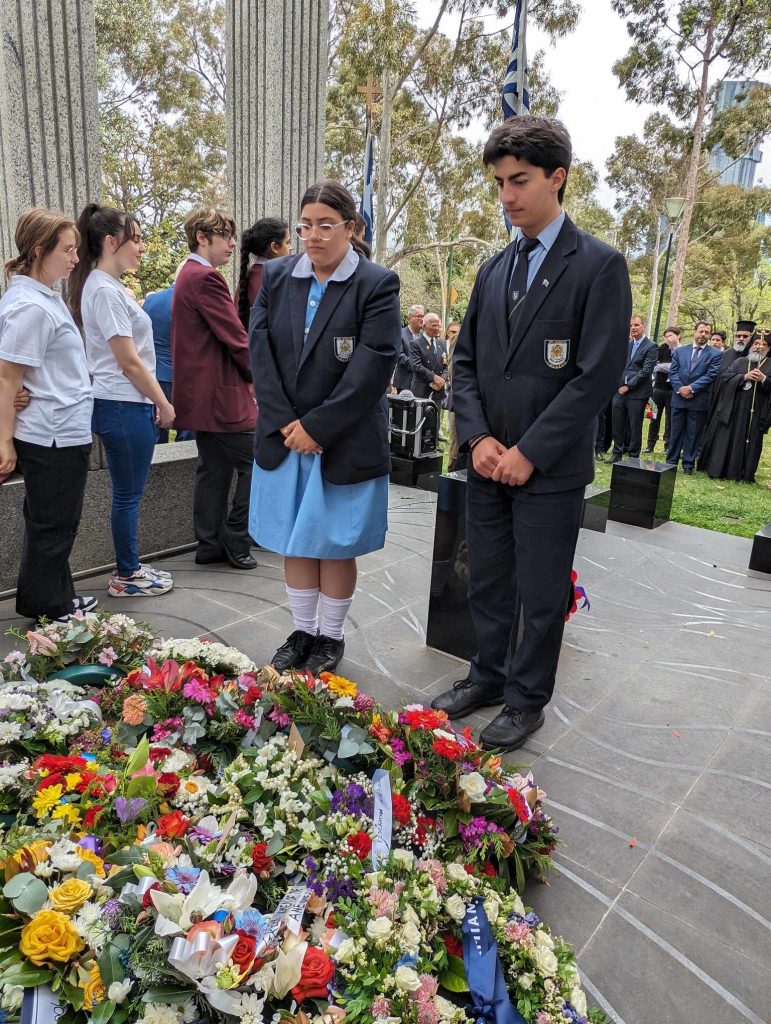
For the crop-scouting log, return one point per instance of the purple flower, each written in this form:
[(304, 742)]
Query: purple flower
[(112, 911), (129, 809), (251, 922), (184, 878), (203, 835), (400, 753), (105, 734)]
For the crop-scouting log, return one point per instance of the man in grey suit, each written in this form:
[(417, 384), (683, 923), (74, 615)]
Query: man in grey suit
[(402, 378), (428, 357), (633, 392)]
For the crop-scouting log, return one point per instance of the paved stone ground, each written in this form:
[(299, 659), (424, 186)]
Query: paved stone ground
[(659, 731)]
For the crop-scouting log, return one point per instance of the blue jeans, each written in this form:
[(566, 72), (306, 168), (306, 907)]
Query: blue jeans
[(162, 436), (127, 431)]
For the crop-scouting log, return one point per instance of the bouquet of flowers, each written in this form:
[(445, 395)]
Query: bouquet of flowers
[(35, 716), (115, 641), (213, 658)]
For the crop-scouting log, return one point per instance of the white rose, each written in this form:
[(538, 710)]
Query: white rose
[(578, 1001), (545, 961), (118, 991), (411, 937), (492, 907), (409, 916), (407, 980), (542, 938), (456, 908), (518, 906), (456, 872), (525, 981), (404, 858), (444, 1008), (380, 928), (346, 952), (473, 785)]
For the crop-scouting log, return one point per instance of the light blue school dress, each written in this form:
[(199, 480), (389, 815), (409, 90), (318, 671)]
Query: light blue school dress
[(293, 510)]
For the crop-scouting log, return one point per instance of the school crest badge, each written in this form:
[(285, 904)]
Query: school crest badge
[(556, 352), (344, 348)]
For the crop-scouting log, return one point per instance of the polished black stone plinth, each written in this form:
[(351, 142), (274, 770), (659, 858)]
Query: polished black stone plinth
[(407, 472), (449, 626), (760, 557), (641, 493), (596, 502)]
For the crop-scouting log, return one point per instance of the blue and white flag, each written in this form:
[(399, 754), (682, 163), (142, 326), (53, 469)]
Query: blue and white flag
[(515, 98), (366, 209)]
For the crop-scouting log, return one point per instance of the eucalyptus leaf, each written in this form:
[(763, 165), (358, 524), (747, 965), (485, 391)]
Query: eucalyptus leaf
[(347, 748), (275, 844), (27, 893)]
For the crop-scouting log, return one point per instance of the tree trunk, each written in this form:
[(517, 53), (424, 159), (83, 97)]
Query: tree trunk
[(654, 275), (383, 172), (692, 179)]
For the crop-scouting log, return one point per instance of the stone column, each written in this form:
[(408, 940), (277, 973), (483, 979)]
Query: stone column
[(277, 55), (49, 136)]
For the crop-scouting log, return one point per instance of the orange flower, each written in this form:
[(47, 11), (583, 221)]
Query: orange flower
[(134, 708)]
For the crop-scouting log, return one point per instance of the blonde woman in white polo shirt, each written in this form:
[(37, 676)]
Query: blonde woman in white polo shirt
[(41, 349), (128, 400)]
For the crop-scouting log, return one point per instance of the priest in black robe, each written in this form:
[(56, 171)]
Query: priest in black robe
[(741, 416), (742, 344)]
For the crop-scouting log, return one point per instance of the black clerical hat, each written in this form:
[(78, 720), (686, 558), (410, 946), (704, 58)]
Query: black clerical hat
[(745, 325)]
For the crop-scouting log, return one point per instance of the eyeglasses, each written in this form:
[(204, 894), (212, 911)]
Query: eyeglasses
[(228, 236), (743, 337), (323, 231)]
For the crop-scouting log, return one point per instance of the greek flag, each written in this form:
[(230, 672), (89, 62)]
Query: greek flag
[(515, 98), (365, 209)]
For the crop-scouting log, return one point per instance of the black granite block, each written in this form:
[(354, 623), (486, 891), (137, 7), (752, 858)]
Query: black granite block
[(641, 493), (760, 557), (407, 472), (596, 502)]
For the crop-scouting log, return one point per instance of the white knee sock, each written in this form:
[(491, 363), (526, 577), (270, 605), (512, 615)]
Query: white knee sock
[(304, 606), (332, 613)]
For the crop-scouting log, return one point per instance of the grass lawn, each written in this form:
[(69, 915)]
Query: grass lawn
[(723, 505)]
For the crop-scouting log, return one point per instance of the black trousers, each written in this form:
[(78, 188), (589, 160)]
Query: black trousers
[(54, 484), (519, 545), (628, 415), (220, 455), (663, 400), (604, 438)]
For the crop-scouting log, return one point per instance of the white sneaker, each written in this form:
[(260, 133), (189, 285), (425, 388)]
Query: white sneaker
[(140, 584), (160, 573)]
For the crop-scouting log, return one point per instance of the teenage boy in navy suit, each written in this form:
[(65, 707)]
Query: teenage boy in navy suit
[(694, 370), (538, 356)]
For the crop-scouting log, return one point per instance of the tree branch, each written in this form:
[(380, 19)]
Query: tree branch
[(410, 250), (418, 52)]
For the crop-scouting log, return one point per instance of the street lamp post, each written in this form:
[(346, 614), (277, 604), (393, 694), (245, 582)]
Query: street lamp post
[(674, 207)]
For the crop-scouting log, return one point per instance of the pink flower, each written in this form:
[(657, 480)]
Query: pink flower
[(380, 1008), (107, 657), (244, 720), (436, 873), (281, 720), (79, 615), (516, 932), (39, 643), (195, 690), (543, 1018), (362, 703), (428, 988)]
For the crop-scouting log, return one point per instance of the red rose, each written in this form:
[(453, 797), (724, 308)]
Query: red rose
[(243, 955), (57, 779), (401, 808), (159, 753), (489, 869), (168, 783), (261, 861), (317, 972), (91, 816), (252, 695), (453, 945), (147, 900), (360, 845), (172, 826)]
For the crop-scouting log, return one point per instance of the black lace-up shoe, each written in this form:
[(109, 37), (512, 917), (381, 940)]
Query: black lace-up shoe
[(510, 729), (465, 697), (325, 656), (294, 652)]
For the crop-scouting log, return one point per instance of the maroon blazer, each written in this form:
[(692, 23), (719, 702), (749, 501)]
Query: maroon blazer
[(210, 354)]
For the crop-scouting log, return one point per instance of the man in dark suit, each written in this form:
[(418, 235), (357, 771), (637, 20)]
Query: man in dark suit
[(538, 356), (402, 378), (694, 370), (633, 392), (212, 389), (428, 358)]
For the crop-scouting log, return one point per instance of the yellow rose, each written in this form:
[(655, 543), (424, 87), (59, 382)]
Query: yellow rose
[(92, 858), (70, 896), (49, 936), (93, 990)]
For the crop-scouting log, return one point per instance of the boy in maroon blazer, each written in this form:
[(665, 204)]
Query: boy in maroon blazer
[(213, 394)]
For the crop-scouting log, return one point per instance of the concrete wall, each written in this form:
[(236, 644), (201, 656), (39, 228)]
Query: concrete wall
[(166, 519)]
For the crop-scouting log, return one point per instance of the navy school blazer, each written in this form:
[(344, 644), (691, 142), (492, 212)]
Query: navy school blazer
[(542, 389), (335, 383)]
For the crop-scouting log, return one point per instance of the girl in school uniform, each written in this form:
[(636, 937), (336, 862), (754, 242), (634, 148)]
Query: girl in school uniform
[(323, 341)]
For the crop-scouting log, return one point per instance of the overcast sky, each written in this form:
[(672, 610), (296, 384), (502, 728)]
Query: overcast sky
[(593, 106)]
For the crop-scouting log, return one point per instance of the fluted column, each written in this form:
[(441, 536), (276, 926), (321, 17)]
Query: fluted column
[(277, 55), (49, 136)]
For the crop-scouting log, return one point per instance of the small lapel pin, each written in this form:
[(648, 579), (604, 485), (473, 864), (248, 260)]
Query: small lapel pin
[(545, 282)]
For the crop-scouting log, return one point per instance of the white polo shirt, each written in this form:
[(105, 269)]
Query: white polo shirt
[(38, 332), (108, 311)]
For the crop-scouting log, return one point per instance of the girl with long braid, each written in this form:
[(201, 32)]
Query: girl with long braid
[(265, 240)]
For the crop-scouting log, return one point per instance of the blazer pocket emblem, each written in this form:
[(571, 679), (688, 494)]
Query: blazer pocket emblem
[(344, 348), (556, 352)]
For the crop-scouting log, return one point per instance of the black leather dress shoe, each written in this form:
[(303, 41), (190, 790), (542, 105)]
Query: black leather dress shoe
[(326, 654), (599, 457), (615, 458), (465, 697), (243, 561), (510, 729), (294, 652)]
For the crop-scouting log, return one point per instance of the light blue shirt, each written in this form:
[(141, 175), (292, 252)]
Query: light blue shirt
[(304, 268), (547, 238)]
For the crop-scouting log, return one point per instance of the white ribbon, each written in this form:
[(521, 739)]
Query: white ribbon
[(137, 891), (202, 956), (383, 817)]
